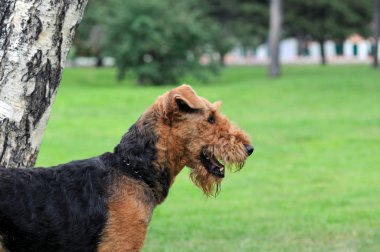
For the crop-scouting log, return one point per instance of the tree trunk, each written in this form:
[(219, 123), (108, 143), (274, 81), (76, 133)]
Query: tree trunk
[(35, 37), (99, 61), (275, 36), (222, 57), (323, 53), (302, 45), (96, 36), (376, 29)]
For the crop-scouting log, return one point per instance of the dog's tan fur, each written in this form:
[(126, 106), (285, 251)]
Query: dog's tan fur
[(129, 216)]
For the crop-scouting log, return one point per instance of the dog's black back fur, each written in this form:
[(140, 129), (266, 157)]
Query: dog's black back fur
[(63, 208)]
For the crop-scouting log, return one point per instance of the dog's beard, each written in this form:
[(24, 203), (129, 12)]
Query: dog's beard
[(208, 171), (209, 184)]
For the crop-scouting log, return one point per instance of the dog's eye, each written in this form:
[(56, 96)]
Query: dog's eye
[(211, 119)]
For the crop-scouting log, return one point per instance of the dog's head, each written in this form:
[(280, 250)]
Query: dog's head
[(194, 133)]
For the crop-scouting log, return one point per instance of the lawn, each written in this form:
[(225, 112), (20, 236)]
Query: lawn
[(313, 183)]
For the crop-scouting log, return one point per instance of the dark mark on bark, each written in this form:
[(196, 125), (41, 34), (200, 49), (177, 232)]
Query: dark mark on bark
[(80, 4), (27, 128), (4, 146), (40, 98), (33, 66), (73, 29), (57, 43), (23, 148), (21, 152), (6, 9), (38, 28), (32, 27), (5, 13), (44, 75)]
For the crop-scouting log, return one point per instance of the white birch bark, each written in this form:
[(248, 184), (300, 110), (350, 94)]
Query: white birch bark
[(35, 37)]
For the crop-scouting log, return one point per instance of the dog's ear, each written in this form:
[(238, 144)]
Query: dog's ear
[(185, 105), (217, 105), (186, 99), (179, 102)]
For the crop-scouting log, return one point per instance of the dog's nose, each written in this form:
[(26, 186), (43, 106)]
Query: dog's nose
[(249, 149)]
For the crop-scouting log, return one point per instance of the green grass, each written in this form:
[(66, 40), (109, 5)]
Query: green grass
[(313, 183)]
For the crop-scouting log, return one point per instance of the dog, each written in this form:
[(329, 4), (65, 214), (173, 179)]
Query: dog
[(105, 203)]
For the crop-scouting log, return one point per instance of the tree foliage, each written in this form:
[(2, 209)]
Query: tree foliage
[(327, 19), (159, 40), (89, 40), (149, 37), (239, 22), (252, 23)]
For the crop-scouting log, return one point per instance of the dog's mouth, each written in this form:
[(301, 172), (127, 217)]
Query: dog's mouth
[(212, 164)]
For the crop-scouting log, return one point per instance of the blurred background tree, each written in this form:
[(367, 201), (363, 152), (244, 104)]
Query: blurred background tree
[(276, 13), (162, 41), (325, 19), (224, 13), (239, 23), (252, 24), (89, 40), (159, 40)]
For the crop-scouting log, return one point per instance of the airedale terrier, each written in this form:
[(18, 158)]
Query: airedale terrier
[(105, 203)]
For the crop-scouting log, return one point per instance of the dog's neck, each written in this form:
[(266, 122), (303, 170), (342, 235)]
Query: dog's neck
[(136, 156)]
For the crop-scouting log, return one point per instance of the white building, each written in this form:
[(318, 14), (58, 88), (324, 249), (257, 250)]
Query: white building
[(355, 49)]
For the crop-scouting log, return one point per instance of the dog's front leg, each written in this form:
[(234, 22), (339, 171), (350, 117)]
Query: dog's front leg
[(126, 227)]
